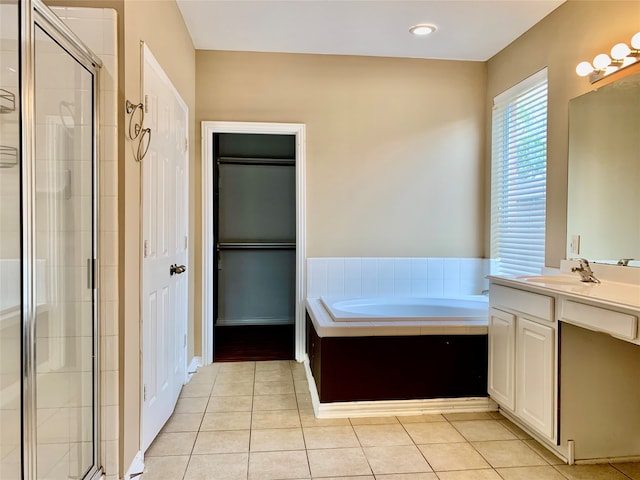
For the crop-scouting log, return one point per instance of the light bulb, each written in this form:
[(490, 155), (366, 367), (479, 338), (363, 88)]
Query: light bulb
[(583, 69), (620, 50), (601, 61), (635, 41), (422, 29)]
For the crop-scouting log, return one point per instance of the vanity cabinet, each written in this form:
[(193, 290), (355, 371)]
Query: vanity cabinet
[(535, 375), (564, 358), (522, 360), (502, 342)]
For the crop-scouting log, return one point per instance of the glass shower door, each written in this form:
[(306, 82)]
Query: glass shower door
[(10, 251), (64, 248)]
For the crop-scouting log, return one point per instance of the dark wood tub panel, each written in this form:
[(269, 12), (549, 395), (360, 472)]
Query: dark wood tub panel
[(347, 369)]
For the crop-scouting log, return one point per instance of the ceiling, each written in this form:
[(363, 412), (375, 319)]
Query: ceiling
[(467, 29)]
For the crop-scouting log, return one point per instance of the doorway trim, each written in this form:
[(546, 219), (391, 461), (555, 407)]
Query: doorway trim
[(208, 240)]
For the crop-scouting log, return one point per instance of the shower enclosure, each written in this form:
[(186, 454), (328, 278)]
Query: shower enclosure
[(48, 248)]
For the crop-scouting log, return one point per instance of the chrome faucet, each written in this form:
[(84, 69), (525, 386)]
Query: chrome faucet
[(584, 269), (624, 262)]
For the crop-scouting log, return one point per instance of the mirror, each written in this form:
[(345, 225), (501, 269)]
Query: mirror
[(603, 204)]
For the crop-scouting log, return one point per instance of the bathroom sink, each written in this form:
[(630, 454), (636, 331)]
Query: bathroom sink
[(624, 294), (551, 280)]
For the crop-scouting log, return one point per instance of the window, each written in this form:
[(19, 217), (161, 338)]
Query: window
[(518, 177)]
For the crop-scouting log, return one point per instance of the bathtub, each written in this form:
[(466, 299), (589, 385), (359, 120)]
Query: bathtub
[(402, 309), (334, 316), (398, 348)]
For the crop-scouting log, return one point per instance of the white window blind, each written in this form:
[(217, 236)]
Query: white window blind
[(519, 177)]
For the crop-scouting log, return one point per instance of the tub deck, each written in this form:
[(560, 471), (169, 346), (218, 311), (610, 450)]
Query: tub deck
[(369, 327), (402, 309)]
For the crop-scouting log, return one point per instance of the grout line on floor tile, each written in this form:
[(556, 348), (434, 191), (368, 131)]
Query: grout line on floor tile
[(253, 375), (620, 471)]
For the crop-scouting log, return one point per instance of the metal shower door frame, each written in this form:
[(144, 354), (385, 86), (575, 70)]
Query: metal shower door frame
[(35, 13)]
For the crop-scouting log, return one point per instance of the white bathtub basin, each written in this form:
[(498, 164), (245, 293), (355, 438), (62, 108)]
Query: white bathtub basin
[(387, 309)]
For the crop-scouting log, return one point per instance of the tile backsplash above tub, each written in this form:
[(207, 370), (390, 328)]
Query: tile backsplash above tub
[(396, 277)]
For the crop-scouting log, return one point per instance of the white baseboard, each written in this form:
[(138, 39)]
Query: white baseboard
[(195, 363), (136, 468), (383, 408), (315, 399), (593, 461)]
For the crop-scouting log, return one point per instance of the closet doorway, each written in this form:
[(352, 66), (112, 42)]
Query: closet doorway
[(255, 227), (253, 223)]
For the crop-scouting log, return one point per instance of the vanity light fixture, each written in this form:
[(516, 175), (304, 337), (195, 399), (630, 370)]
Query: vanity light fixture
[(422, 29), (621, 56)]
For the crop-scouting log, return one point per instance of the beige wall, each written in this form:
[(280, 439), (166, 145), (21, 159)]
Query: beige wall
[(160, 25), (576, 31), (394, 146)]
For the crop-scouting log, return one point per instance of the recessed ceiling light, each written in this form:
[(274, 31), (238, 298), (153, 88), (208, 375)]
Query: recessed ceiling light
[(422, 29)]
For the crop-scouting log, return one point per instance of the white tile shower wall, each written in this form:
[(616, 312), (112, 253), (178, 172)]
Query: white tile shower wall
[(9, 137), (396, 277), (10, 321), (97, 28)]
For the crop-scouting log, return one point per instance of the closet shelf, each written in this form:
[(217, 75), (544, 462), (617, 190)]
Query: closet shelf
[(255, 161), (256, 245)]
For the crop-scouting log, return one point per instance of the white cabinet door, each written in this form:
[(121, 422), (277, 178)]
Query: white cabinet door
[(535, 381), (502, 357)]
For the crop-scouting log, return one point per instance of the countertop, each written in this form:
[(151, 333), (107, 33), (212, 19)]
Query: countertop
[(607, 292)]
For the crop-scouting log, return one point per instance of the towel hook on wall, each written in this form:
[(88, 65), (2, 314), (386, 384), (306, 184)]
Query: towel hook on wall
[(135, 130)]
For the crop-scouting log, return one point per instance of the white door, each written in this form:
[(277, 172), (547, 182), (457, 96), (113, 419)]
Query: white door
[(535, 380), (164, 248), (502, 357)]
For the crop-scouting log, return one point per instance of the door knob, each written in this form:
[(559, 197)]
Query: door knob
[(176, 270)]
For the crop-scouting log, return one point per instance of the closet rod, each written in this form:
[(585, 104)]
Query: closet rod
[(255, 161)]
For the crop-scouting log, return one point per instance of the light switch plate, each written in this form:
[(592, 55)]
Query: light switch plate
[(575, 244)]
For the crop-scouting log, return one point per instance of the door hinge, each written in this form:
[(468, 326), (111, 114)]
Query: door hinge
[(146, 248), (144, 393), (185, 340), (146, 104), (186, 242), (186, 144)]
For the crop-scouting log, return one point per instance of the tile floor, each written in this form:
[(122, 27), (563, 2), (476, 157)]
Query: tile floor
[(254, 421)]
